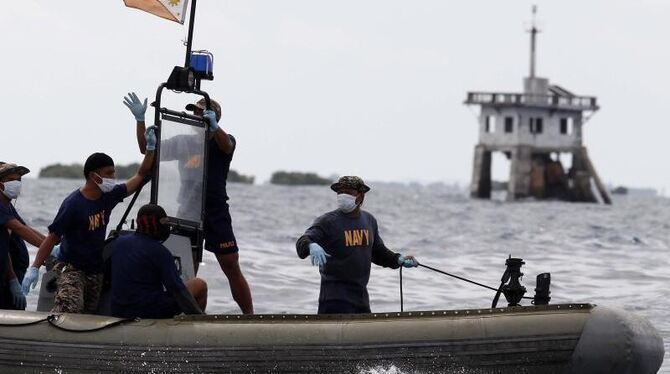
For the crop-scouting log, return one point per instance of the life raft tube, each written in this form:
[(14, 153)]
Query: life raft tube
[(565, 338)]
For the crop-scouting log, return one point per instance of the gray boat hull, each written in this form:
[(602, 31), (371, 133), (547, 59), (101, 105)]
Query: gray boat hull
[(574, 338)]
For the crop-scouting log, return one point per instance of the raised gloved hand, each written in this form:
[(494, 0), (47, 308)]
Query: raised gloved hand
[(136, 106), (17, 294), (210, 116), (318, 255), (150, 138), (30, 279), (407, 261)]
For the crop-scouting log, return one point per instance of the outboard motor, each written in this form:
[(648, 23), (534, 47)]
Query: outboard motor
[(511, 287), (513, 291), (542, 289)]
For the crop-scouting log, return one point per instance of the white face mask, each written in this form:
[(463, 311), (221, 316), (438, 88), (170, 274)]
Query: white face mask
[(12, 189), (346, 203), (107, 184)]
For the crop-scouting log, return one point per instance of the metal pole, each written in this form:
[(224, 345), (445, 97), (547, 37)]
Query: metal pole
[(533, 34), (189, 41)]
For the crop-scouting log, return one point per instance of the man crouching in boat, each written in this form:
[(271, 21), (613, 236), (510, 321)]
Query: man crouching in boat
[(13, 234), (81, 225), (344, 243), (142, 268)]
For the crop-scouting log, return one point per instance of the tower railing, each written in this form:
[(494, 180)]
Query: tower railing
[(532, 100)]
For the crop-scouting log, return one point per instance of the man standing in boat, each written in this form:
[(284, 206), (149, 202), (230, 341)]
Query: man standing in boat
[(14, 233), (344, 243), (145, 280), (219, 236), (81, 226)]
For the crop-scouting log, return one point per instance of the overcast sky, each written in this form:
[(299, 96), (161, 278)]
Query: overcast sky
[(372, 87)]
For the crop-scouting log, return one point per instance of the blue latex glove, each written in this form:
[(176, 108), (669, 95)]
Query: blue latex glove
[(30, 279), (210, 116), (17, 294), (135, 105), (318, 255), (407, 261), (55, 253), (150, 137)]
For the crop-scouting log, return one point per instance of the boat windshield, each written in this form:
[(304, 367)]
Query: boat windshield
[(181, 170)]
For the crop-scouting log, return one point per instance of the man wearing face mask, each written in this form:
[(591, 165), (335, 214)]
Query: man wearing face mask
[(145, 280), (219, 235), (344, 243), (13, 234), (81, 226)]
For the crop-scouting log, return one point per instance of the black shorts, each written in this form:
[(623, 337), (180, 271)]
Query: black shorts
[(219, 236), (341, 307)]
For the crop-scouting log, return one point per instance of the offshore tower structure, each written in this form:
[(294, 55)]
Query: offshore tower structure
[(533, 129)]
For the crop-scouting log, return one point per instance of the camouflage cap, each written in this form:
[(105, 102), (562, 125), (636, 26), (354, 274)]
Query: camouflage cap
[(349, 181), (202, 105), (7, 169)]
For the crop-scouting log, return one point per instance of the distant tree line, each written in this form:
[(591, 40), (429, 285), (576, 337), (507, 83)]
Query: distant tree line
[(290, 178), (123, 172)]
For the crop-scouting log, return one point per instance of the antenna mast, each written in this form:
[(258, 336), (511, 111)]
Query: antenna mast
[(533, 34)]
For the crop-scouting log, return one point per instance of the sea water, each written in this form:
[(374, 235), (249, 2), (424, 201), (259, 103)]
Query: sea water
[(614, 255)]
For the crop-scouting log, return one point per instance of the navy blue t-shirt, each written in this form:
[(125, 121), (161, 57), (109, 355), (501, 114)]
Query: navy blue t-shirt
[(217, 174), (353, 243), (82, 225), (144, 277), (181, 148), (12, 243), (5, 216)]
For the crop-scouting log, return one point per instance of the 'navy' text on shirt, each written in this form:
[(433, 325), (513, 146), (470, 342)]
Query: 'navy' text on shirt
[(354, 238)]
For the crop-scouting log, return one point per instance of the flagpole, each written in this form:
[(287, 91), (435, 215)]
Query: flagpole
[(189, 41)]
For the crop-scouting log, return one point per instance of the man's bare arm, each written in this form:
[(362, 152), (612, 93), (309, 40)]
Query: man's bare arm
[(145, 168), (223, 141), (26, 233), (139, 133), (39, 234), (45, 249)]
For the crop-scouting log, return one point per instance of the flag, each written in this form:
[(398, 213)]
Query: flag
[(174, 10)]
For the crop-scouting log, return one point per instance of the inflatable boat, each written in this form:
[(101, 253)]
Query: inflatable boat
[(566, 338)]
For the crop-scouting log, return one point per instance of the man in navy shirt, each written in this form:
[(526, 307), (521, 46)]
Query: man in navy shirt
[(81, 226), (145, 280), (344, 243), (13, 234), (219, 236)]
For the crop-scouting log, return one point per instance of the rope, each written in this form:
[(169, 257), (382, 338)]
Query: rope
[(52, 321), (23, 324), (402, 304), (457, 277), (497, 290)]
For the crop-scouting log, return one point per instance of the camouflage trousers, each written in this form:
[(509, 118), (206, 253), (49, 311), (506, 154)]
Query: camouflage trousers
[(76, 291)]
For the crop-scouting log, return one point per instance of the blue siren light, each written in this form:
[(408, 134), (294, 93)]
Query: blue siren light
[(202, 63)]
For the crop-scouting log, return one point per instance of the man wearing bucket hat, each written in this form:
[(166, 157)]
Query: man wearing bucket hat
[(219, 236), (344, 243), (14, 232)]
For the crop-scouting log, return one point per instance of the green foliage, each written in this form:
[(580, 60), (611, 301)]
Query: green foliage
[(73, 171), (76, 171), (123, 172), (621, 190), (234, 176), (298, 179)]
